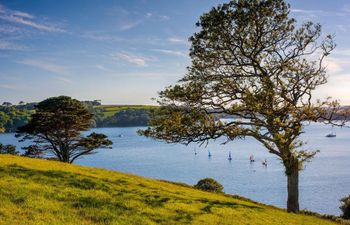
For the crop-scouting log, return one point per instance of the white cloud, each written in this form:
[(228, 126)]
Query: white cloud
[(64, 80), (305, 11), (170, 52), (22, 14), (155, 75), (342, 52), (7, 29), (129, 25), (305, 15), (130, 58), (6, 45), (342, 27), (44, 65), (103, 68), (346, 8), (164, 17), (26, 19), (150, 15), (100, 36), (177, 40), (7, 86), (333, 66)]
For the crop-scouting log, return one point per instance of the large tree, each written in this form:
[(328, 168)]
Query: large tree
[(56, 128), (251, 61)]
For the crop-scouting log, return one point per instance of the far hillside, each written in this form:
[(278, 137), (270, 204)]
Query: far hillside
[(110, 110), (121, 115)]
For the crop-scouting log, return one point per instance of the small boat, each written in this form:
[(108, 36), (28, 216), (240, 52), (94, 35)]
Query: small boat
[(331, 135), (229, 156), (264, 162), (209, 154), (195, 152), (120, 135)]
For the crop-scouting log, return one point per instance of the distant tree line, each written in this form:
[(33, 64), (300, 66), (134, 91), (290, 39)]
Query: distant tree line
[(13, 116), (125, 118)]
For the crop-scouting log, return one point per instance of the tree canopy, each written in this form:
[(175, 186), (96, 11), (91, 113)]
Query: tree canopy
[(252, 61), (12, 117), (56, 128)]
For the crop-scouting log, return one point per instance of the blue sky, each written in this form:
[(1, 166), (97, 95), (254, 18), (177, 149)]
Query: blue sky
[(124, 52)]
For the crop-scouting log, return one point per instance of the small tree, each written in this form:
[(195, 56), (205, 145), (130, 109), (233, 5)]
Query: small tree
[(8, 149), (7, 104), (33, 151), (345, 207), (250, 61), (56, 127)]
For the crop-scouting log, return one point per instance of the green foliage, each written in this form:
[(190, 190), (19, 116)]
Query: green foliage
[(345, 207), (34, 191), (55, 128), (33, 151), (119, 115), (95, 140), (8, 149), (126, 118), (111, 110), (12, 117), (209, 184), (253, 62)]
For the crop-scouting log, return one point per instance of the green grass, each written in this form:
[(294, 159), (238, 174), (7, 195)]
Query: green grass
[(34, 191), (110, 110)]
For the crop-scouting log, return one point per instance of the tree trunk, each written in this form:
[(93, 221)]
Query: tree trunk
[(293, 190)]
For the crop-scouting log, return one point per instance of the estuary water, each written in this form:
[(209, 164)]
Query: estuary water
[(323, 182)]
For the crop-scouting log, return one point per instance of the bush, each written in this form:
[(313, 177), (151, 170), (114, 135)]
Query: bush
[(345, 207), (33, 151), (209, 184), (8, 149)]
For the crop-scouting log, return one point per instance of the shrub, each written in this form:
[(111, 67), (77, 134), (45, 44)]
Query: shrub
[(8, 149), (33, 151), (345, 207), (209, 184)]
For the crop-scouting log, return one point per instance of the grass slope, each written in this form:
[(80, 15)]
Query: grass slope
[(34, 191), (110, 110)]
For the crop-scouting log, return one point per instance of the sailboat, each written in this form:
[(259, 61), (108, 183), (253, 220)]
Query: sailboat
[(332, 134), (195, 151), (229, 156), (264, 162), (209, 154)]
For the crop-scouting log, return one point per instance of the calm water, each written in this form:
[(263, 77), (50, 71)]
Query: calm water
[(324, 181)]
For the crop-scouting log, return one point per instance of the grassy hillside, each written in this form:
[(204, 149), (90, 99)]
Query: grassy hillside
[(36, 191), (110, 110)]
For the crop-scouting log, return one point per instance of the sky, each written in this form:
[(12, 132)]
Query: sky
[(126, 51)]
